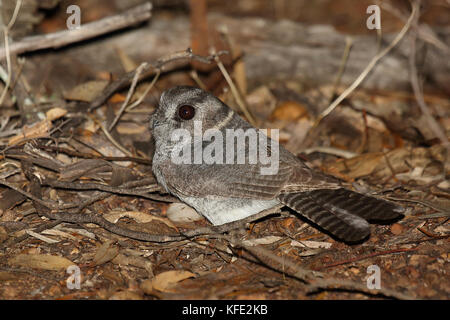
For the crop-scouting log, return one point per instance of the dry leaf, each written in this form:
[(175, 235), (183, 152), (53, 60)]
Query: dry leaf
[(261, 102), (105, 253), (289, 111), (180, 212), (358, 166), (56, 232), (167, 280), (139, 262), (265, 240), (36, 130), (116, 98), (311, 244), (41, 261), (126, 295), (147, 286), (131, 128), (138, 216), (87, 91), (55, 113), (41, 237)]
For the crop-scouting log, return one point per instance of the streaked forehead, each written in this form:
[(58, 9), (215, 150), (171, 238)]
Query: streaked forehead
[(183, 94)]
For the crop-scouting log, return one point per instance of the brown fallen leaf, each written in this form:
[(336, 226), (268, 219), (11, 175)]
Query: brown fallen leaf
[(167, 280), (36, 130), (358, 166), (147, 286), (138, 216), (105, 253), (289, 111), (55, 113), (86, 91), (126, 295), (41, 261)]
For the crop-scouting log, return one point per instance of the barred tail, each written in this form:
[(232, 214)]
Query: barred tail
[(341, 212)]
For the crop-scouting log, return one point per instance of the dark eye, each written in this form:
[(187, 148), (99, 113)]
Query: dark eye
[(186, 112)]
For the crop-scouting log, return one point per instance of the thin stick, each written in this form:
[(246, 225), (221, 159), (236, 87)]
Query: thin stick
[(87, 31), (194, 75), (15, 14), (127, 77), (374, 254), (432, 123), (424, 31), (147, 90), (129, 95), (369, 67), (47, 204), (348, 47), (8, 50), (110, 138), (240, 101)]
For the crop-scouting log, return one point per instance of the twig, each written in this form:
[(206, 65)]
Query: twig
[(129, 95), (47, 204), (240, 101), (87, 31), (338, 284), (286, 265), (103, 187), (40, 228), (429, 233), (423, 31), (369, 67), (432, 123), (8, 49), (92, 156), (337, 81), (111, 138), (424, 203), (330, 150), (375, 254), (311, 277), (127, 77), (232, 225), (194, 75), (147, 90)]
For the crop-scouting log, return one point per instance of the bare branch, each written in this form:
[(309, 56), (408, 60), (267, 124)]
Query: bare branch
[(87, 31)]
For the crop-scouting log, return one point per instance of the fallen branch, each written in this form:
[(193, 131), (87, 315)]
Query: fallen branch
[(374, 254), (346, 285), (312, 278), (90, 30)]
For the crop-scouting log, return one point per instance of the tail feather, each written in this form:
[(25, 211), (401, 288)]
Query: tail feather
[(341, 212), (366, 207)]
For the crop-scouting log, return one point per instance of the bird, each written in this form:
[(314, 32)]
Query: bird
[(226, 191)]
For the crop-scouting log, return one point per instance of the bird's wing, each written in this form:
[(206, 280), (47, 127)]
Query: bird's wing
[(246, 181), (228, 181)]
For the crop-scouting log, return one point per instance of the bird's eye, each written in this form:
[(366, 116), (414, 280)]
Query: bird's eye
[(186, 112)]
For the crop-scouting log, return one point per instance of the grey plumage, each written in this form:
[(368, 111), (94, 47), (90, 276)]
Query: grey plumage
[(225, 193)]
